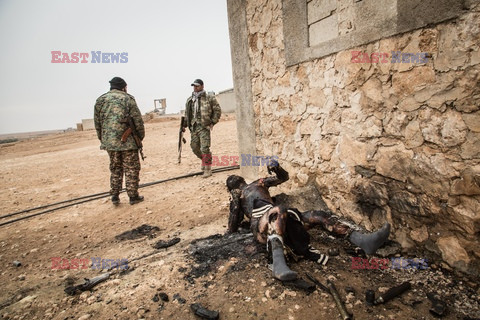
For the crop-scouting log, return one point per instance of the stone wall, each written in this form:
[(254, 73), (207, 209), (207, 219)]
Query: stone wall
[(380, 141)]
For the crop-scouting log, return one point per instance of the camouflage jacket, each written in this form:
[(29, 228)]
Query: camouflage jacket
[(210, 110), (111, 109)]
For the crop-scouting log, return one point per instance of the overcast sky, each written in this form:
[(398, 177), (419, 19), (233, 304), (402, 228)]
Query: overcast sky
[(168, 44)]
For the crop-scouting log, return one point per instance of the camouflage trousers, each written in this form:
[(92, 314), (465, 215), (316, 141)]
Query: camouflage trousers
[(128, 163), (200, 144)]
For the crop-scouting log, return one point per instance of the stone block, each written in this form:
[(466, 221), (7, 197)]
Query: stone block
[(452, 53), (413, 135), (352, 152), (472, 120), (323, 30), (468, 184), (444, 129), (394, 162), (408, 82), (470, 149), (367, 191), (419, 234), (88, 124), (320, 9), (453, 252)]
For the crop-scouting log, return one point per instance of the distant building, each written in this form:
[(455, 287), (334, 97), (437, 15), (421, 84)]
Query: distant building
[(226, 99), (87, 124)]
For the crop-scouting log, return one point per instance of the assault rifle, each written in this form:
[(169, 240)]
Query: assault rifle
[(87, 285), (181, 138), (332, 290), (132, 130)]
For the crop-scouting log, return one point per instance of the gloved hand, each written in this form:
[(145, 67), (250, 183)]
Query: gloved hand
[(273, 166)]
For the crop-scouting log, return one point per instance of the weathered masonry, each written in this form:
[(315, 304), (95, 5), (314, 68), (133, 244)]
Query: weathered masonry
[(376, 103)]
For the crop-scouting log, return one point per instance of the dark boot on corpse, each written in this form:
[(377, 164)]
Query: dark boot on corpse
[(279, 266), (372, 241)]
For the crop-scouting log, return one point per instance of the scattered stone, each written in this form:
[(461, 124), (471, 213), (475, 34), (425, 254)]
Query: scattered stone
[(28, 299), (331, 278), (161, 306), (204, 313), (165, 244), (163, 296), (350, 297), (180, 300), (349, 289), (160, 296), (91, 300), (17, 263), (301, 284), (439, 307), (143, 230), (83, 296), (288, 293), (388, 250)]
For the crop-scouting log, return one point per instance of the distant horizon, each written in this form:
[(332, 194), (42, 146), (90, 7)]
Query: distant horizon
[(39, 132), (6, 135)]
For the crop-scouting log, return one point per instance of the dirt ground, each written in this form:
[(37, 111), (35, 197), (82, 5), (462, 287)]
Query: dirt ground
[(228, 274)]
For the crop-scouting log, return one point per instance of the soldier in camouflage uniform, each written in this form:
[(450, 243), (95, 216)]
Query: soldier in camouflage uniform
[(202, 112), (111, 111)]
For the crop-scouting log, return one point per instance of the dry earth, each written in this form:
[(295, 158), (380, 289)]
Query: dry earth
[(224, 273)]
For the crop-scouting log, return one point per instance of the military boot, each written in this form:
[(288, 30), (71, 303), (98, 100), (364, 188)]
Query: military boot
[(207, 172), (136, 199), (115, 199)]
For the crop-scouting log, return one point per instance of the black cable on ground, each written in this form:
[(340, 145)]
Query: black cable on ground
[(54, 204), (97, 196), (108, 193)]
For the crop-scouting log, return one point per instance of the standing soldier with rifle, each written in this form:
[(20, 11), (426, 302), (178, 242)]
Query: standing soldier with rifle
[(120, 129), (202, 112), (181, 139)]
